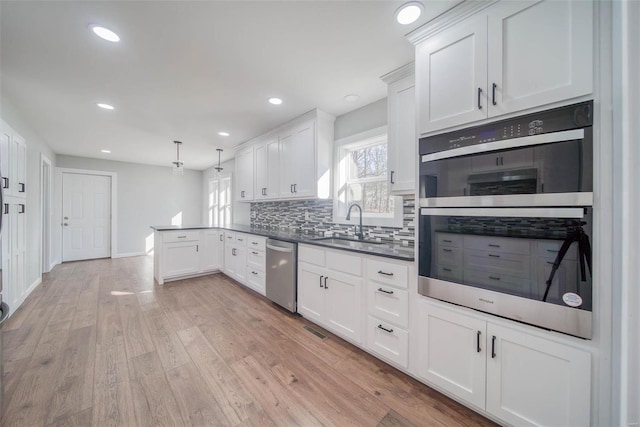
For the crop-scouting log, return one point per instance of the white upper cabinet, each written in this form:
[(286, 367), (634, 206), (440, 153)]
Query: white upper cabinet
[(293, 161), (297, 146), (13, 162), (244, 175), (451, 76), (401, 118), (267, 169), (509, 57), (539, 52)]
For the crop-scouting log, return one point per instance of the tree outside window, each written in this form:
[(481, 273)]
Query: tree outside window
[(366, 182)]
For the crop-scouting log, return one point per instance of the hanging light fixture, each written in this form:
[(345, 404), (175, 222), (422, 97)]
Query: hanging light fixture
[(177, 165), (219, 168)]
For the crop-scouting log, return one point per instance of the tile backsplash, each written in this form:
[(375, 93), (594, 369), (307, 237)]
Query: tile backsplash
[(316, 217)]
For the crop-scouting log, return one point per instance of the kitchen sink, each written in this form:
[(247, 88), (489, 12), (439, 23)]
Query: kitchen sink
[(348, 243)]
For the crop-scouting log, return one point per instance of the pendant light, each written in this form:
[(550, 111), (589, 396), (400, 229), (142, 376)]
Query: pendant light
[(218, 168), (177, 165)]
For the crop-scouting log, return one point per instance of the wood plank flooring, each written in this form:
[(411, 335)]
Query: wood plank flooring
[(97, 343)]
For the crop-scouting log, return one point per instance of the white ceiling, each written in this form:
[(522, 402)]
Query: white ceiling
[(187, 70)]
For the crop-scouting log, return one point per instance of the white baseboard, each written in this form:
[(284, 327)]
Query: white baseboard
[(33, 286), (52, 265), (130, 254)]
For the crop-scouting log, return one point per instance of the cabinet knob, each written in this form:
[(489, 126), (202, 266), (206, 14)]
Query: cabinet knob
[(65, 224)]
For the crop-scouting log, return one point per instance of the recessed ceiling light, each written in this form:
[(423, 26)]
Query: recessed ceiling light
[(105, 33), (352, 97), (105, 106), (275, 101), (106, 151), (223, 133), (409, 12)]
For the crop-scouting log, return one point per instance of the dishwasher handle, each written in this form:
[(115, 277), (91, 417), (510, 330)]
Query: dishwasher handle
[(279, 248)]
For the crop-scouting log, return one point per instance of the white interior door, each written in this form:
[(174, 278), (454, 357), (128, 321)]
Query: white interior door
[(86, 216)]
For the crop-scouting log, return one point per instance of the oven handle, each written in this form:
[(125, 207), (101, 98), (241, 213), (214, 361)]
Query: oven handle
[(506, 212), (525, 141)]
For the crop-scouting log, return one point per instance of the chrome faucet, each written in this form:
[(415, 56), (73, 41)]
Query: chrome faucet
[(360, 235)]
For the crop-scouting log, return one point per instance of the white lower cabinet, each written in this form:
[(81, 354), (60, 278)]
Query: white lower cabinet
[(179, 254), (520, 378), (244, 259), (256, 260), (328, 296), (235, 256), (388, 341)]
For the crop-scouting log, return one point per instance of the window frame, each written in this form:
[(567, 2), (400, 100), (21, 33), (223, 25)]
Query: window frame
[(342, 147)]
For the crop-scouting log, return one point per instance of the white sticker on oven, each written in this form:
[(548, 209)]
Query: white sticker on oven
[(572, 300)]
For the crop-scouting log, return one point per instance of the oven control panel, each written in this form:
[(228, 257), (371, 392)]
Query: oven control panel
[(555, 120)]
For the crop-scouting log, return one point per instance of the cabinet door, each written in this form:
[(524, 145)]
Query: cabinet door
[(20, 177), (539, 52), (533, 381), (452, 352), (343, 305), (402, 155), (244, 175), (311, 292), (5, 163), (287, 160), (211, 255), (262, 168), (181, 258), (241, 264), (273, 169), (229, 259), (304, 166), (451, 76)]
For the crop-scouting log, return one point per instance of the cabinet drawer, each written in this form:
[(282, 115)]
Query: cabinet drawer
[(256, 280), (229, 237), (241, 239), (449, 255), (388, 303), (499, 282), (344, 262), (498, 244), (498, 262), (311, 254), (448, 272), (388, 341), (180, 236), (256, 259), (550, 249), (256, 242), (387, 272), (449, 240)]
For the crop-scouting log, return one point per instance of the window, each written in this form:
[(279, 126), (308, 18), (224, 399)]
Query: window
[(362, 178), (219, 201)]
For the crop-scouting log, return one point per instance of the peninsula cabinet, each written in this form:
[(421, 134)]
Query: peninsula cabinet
[(179, 254), (508, 57), (521, 378)]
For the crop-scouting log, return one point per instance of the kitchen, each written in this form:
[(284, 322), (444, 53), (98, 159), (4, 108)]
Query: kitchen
[(601, 390)]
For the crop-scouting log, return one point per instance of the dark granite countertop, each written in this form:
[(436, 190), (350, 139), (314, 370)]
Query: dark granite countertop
[(388, 250)]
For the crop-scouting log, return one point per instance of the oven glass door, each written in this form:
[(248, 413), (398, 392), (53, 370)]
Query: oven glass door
[(541, 254), (560, 171)]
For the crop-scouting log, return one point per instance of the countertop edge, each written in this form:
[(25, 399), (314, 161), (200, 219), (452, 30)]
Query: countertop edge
[(302, 239)]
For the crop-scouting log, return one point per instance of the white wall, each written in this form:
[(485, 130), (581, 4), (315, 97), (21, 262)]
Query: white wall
[(240, 210), (35, 146), (365, 118), (146, 195)]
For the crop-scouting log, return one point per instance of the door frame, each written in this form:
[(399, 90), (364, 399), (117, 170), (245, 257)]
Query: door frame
[(47, 261), (114, 203)]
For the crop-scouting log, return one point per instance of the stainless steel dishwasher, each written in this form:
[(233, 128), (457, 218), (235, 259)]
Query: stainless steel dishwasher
[(281, 274)]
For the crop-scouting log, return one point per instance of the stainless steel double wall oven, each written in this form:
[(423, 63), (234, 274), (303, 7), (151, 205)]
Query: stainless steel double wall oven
[(506, 215)]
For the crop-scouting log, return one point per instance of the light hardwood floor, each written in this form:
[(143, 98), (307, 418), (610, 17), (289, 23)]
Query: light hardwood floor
[(97, 343)]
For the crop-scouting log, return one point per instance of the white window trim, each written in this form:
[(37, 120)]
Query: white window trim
[(210, 181), (339, 203)]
